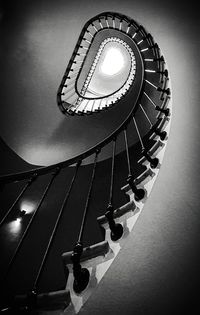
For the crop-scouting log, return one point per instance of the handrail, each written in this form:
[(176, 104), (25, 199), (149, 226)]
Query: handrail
[(75, 53), (108, 95), (71, 161), (82, 156), (44, 170), (82, 275)]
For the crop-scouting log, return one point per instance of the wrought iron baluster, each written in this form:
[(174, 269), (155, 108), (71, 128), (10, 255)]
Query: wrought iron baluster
[(165, 111), (161, 134), (153, 161), (82, 275), (128, 28), (55, 229), (139, 193), (18, 198), (116, 228), (31, 220), (108, 26), (163, 90), (113, 19), (88, 197)]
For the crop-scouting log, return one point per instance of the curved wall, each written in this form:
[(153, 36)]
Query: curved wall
[(37, 44), (157, 271)]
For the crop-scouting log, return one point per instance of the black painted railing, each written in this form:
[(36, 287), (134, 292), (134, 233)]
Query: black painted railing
[(150, 106)]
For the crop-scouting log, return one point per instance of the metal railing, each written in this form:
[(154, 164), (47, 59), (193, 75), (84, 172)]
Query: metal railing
[(153, 109)]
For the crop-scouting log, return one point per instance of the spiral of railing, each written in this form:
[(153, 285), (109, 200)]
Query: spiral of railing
[(150, 111)]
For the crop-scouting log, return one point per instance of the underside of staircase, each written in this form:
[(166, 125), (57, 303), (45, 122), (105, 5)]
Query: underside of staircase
[(61, 226)]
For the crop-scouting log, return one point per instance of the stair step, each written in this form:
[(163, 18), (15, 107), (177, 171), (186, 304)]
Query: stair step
[(163, 123), (141, 180), (128, 208), (90, 252), (154, 150), (164, 106)]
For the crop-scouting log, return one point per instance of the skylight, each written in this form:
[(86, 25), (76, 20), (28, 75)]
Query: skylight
[(113, 62)]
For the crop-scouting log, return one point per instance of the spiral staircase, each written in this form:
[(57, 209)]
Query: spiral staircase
[(61, 248)]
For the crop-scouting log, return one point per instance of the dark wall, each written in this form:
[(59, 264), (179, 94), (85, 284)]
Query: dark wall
[(11, 162)]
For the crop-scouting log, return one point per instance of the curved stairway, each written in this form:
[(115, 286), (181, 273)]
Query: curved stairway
[(58, 223)]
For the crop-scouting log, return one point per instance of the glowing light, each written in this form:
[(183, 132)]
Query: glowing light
[(14, 227), (113, 62), (28, 206)]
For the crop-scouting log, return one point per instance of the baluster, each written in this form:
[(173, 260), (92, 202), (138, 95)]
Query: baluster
[(94, 27), (120, 25), (163, 72), (83, 47), (72, 81), (54, 174), (89, 33), (153, 161), (139, 193), (149, 59), (150, 71), (93, 106), (154, 46), (144, 49), (146, 36), (108, 26), (161, 134), (150, 83), (64, 203), (68, 96), (78, 104), (85, 107), (69, 88), (133, 36), (100, 106), (113, 20), (164, 90), (158, 88), (165, 111), (80, 54), (128, 28), (100, 24), (82, 275), (138, 43), (161, 59), (19, 197), (73, 75), (86, 40), (116, 228)]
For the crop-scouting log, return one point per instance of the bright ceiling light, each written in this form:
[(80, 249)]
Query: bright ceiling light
[(113, 61)]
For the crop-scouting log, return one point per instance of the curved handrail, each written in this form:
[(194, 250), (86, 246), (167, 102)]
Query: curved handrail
[(116, 229), (105, 15), (105, 96), (101, 144), (71, 161), (105, 141)]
